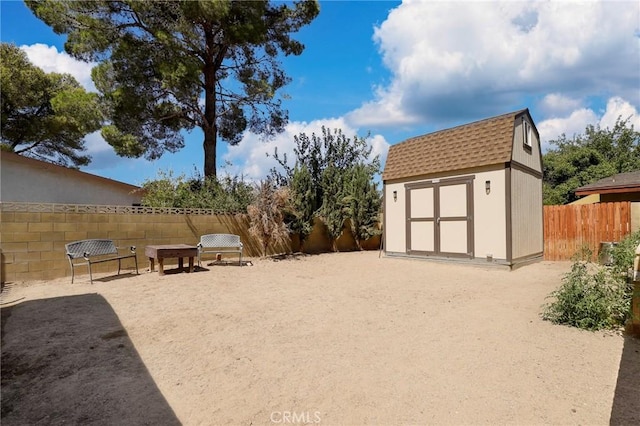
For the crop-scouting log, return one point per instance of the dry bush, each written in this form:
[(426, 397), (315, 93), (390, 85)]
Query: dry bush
[(266, 215)]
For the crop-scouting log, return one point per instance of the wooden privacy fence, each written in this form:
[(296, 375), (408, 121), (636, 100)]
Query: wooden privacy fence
[(569, 228)]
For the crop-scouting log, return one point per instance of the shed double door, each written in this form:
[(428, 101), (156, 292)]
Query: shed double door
[(440, 218)]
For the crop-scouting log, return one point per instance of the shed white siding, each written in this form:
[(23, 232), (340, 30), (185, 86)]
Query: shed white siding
[(394, 211), (490, 215)]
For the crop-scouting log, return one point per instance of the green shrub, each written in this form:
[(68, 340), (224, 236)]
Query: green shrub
[(594, 297), (623, 253), (228, 194), (589, 300)]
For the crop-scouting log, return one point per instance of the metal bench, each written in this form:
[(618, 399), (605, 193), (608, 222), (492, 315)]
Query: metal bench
[(95, 251), (220, 243)]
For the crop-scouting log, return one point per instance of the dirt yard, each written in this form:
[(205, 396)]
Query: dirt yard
[(332, 339)]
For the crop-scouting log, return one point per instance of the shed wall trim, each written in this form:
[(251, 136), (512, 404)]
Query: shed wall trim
[(525, 169), (508, 211)]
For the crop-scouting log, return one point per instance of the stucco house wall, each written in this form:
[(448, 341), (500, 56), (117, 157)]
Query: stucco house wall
[(28, 180)]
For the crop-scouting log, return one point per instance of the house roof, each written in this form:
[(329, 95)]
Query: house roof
[(622, 182), (55, 168), (481, 143)]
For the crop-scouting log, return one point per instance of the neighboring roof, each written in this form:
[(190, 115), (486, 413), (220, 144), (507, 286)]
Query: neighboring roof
[(43, 165), (589, 199), (622, 182), (481, 143)]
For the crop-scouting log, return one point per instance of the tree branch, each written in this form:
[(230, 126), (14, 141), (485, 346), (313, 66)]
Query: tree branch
[(20, 151)]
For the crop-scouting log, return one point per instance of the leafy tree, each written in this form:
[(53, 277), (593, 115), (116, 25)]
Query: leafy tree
[(301, 214), (317, 152), (266, 215), (226, 195), (332, 211), (323, 166), (167, 66), (44, 116), (362, 203), (596, 154)]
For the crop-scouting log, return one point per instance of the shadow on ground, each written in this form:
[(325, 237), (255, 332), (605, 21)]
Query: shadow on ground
[(68, 360), (626, 406), (229, 263), (108, 278)]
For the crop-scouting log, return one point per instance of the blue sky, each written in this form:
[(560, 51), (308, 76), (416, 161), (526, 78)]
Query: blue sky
[(397, 69)]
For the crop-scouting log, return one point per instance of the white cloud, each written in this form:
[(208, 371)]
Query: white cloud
[(95, 143), (102, 154), (576, 121), (252, 157), (557, 104), (570, 125), (452, 62), (50, 60), (379, 147), (619, 108), (386, 110)]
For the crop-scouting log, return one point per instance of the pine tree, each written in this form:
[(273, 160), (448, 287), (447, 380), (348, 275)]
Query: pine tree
[(44, 115), (169, 66)]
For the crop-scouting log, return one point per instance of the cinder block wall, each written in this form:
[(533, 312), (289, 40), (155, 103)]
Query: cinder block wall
[(32, 244)]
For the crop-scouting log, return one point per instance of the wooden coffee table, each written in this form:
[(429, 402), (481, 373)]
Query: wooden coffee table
[(162, 252)]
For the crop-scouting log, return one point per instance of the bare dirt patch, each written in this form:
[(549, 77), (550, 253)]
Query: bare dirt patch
[(347, 338)]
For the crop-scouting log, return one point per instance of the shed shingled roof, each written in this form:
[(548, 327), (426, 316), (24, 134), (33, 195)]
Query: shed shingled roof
[(481, 143)]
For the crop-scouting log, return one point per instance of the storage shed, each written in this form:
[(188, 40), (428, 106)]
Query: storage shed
[(472, 192)]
